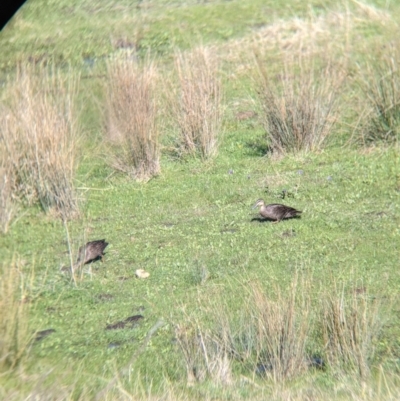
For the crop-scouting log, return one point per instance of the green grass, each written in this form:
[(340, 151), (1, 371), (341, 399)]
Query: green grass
[(191, 228), (196, 215), (88, 28)]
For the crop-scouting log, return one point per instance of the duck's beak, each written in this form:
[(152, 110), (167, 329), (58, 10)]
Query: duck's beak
[(256, 205)]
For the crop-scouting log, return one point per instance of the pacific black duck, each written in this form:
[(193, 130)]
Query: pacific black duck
[(276, 211), (90, 252)]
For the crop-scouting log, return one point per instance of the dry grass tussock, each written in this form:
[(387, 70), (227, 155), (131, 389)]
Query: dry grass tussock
[(270, 337), (14, 313), (299, 112), (276, 331), (207, 355), (38, 138), (380, 86), (195, 103), (282, 336), (350, 327), (132, 117)]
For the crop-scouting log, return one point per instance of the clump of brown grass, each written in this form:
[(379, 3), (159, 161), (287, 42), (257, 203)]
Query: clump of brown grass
[(14, 335), (299, 110), (206, 354), (350, 328), (132, 117), (277, 331), (381, 87), (274, 335), (270, 338), (196, 103), (39, 135)]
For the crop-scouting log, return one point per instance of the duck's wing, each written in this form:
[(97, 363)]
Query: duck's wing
[(290, 212), (103, 245), (93, 250), (100, 246), (279, 212)]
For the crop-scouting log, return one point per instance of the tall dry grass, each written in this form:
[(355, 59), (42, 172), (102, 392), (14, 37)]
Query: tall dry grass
[(350, 327), (272, 335), (206, 354), (195, 102), (380, 86), (280, 329), (280, 335), (14, 314), (299, 107), (270, 338), (38, 137), (132, 117)]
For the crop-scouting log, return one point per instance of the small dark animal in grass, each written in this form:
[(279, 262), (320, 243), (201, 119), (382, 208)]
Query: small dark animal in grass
[(91, 252), (276, 211), (131, 320), (316, 362), (43, 334)]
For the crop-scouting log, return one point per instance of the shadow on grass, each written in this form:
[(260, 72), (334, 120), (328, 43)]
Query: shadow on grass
[(258, 147), (264, 219)]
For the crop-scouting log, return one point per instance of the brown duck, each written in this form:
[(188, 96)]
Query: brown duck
[(90, 252), (276, 211)]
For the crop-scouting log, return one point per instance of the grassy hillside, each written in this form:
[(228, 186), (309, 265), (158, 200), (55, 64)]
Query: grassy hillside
[(234, 307)]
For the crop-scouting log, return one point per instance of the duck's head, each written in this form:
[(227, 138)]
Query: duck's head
[(260, 202)]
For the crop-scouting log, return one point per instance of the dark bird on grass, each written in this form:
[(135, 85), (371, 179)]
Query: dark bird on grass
[(275, 211), (132, 321), (43, 334), (91, 252)]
